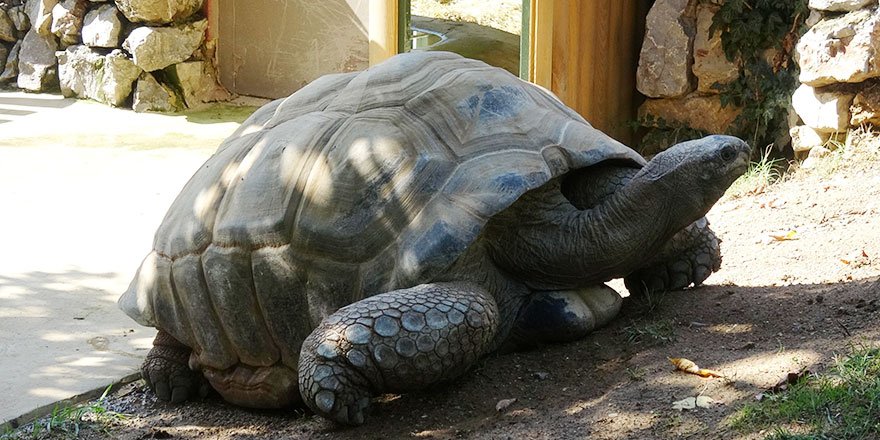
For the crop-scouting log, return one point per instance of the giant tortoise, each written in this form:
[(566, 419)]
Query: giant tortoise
[(380, 231)]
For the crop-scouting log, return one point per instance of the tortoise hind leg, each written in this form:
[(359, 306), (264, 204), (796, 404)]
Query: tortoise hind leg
[(689, 258), (394, 342), (563, 316), (167, 373)]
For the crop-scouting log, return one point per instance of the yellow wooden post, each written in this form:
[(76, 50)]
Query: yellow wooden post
[(541, 42), (383, 31)]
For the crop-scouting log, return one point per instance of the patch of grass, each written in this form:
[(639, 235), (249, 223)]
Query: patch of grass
[(843, 403), (68, 422), (760, 175), (857, 146), (655, 332)]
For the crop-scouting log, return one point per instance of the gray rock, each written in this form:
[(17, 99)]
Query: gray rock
[(67, 20), (86, 73), (805, 138), (4, 52), (102, 27), (666, 56), (156, 48), (814, 18), (841, 5), (151, 95), (700, 112), (37, 65), (158, 11), (840, 49), (7, 27), (10, 69), (710, 64), (39, 13), (865, 108), (19, 18), (827, 112), (813, 158), (197, 82)]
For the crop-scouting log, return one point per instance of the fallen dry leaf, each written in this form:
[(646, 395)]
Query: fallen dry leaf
[(504, 404), (694, 402), (790, 379), (857, 258), (784, 236), (689, 366)]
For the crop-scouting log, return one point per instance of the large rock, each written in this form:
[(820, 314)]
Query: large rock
[(7, 28), (865, 107), (156, 48), (4, 52), (711, 66), (19, 18), (827, 112), (840, 49), (158, 11), (67, 20), (39, 13), (197, 83), (152, 96), (699, 112), (102, 27), (805, 138), (86, 73), (37, 65), (10, 69), (666, 55), (840, 5)]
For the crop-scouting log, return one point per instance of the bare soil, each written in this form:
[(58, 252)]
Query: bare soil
[(800, 284)]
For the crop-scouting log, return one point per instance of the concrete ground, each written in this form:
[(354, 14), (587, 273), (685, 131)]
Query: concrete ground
[(83, 187)]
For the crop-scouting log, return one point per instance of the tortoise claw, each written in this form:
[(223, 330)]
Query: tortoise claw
[(166, 372)]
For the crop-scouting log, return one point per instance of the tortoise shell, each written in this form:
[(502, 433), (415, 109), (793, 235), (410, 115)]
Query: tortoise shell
[(357, 184)]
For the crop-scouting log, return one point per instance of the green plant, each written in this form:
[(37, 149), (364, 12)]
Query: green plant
[(663, 133), (751, 31), (69, 420), (760, 174), (841, 403), (660, 331)]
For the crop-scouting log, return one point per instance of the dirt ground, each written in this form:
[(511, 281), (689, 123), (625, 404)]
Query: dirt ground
[(800, 284)]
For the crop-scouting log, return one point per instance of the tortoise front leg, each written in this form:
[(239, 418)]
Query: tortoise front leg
[(688, 258), (394, 342)]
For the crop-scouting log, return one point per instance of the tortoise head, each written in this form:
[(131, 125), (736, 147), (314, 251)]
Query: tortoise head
[(699, 170)]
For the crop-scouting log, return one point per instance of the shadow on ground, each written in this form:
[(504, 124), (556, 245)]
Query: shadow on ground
[(610, 385)]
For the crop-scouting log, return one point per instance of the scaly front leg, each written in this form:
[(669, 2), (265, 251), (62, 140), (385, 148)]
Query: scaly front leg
[(394, 342)]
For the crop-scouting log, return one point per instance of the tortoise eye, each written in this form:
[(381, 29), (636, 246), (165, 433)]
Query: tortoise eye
[(728, 153)]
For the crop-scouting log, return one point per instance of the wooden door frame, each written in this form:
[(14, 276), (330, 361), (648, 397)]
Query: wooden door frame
[(388, 23)]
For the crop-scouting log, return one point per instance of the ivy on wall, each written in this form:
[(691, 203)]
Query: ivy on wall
[(761, 34)]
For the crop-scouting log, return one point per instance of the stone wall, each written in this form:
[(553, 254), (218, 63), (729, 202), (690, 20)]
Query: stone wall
[(681, 67), (840, 75), (144, 54)]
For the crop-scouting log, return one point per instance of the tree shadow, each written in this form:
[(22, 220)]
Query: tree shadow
[(61, 335)]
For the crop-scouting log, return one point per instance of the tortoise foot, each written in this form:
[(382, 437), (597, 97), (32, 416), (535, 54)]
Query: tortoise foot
[(167, 373), (699, 255), (398, 341)]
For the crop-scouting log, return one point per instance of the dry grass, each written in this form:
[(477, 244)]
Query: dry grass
[(500, 14)]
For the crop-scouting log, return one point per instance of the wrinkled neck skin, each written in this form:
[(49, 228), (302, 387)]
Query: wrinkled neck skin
[(548, 243)]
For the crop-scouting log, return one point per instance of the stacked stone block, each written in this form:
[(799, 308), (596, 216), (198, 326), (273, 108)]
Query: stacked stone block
[(147, 54), (681, 67), (840, 74)]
